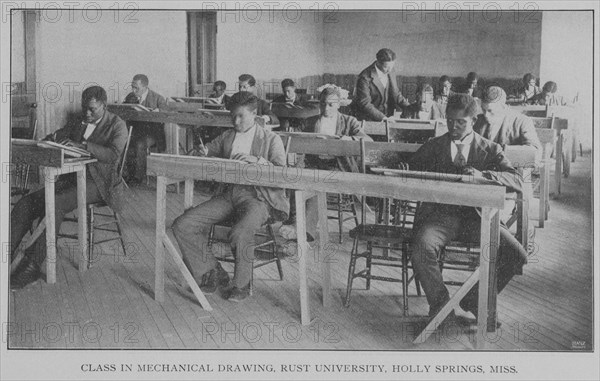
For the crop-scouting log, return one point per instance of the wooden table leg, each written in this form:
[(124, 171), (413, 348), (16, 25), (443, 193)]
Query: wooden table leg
[(492, 280), (159, 259), (558, 155), (188, 198), (49, 181), (323, 243), (302, 257), (486, 267), (84, 261)]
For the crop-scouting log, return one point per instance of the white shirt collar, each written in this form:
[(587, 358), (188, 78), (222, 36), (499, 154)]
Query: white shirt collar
[(144, 95), (382, 76)]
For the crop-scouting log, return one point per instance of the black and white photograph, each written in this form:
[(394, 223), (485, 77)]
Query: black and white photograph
[(299, 190)]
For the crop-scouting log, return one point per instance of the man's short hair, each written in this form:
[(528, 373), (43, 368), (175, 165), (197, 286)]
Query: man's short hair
[(287, 83), (527, 78), (220, 84), (472, 76), (142, 78), (494, 94), (247, 78), (328, 91), (550, 87), (462, 103), (424, 87), (94, 92), (444, 78), (385, 55), (243, 98)]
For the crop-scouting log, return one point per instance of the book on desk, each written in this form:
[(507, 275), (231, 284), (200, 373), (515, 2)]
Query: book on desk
[(45, 153)]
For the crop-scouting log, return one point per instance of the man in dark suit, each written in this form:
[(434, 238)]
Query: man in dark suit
[(377, 95), (144, 134), (290, 96), (249, 206), (104, 135), (461, 151), (469, 86), (502, 125), (218, 96), (263, 110)]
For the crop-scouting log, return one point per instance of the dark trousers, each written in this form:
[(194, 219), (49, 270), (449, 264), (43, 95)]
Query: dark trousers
[(191, 231), (33, 206), (143, 137), (435, 231)]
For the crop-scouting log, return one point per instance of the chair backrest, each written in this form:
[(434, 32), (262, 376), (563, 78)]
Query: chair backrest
[(124, 154)]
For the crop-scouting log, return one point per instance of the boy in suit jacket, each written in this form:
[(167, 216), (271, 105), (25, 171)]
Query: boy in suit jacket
[(104, 135), (218, 95), (377, 95), (502, 125), (290, 96), (144, 134), (461, 151), (249, 206), (263, 109)]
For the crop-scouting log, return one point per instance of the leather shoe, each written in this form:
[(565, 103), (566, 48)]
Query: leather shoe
[(25, 274), (237, 294), (213, 279)]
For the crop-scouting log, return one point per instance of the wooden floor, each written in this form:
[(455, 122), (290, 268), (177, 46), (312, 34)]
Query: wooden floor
[(111, 305)]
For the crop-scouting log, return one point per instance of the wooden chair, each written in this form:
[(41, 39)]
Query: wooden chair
[(268, 247), (462, 256), (388, 238), (107, 218), (20, 176)]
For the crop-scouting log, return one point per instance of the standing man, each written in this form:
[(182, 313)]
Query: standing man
[(462, 151), (104, 135), (248, 84), (144, 134), (377, 95), (248, 206)]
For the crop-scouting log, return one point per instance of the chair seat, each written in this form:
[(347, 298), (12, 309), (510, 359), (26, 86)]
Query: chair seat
[(381, 233)]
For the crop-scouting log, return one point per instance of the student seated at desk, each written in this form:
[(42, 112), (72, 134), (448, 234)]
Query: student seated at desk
[(144, 135), (470, 85), (218, 96), (334, 123), (104, 135), (463, 151), (529, 90), (248, 83), (444, 91), (248, 206), (503, 125), (291, 97), (549, 96), (425, 108)]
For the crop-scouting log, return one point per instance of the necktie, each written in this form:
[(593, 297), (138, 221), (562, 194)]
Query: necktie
[(459, 159)]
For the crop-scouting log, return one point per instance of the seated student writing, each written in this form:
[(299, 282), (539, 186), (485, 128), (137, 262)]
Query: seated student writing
[(334, 123), (104, 135), (529, 90), (249, 206), (425, 108), (144, 134), (461, 150), (549, 96), (290, 96)]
